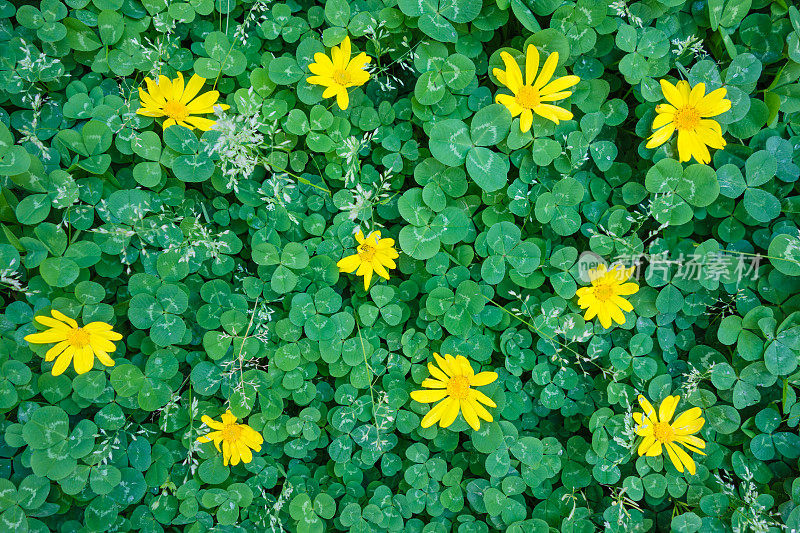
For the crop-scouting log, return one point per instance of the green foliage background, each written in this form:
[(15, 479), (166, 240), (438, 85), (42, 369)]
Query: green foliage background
[(228, 294)]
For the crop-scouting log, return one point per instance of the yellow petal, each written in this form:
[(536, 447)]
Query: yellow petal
[(365, 269), (155, 92), (103, 357), (548, 69), (192, 88), (470, 415), (552, 112), (466, 368), (645, 445), (481, 397), (203, 103), (513, 74), (357, 63), (433, 383), (684, 89), (604, 314), (210, 422), (84, 359), (227, 453), (379, 269), (345, 51), (552, 97), (654, 450), (672, 94), (622, 303), (455, 368), (559, 84), (47, 336), (56, 350), (531, 64), (450, 414), (649, 412), (202, 124), (435, 414), (480, 410), (165, 87), (627, 289), (525, 120), (660, 136), (697, 93), (667, 408), (58, 315), (428, 396), (500, 75), (689, 427), (688, 416), (444, 365), (177, 87), (63, 361), (615, 313), (483, 378), (510, 103), (244, 452), (690, 440), (252, 438), (662, 119), (685, 146), (349, 263), (673, 456), (438, 374), (342, 99), (684, 458), (714, 103), (321, 80)]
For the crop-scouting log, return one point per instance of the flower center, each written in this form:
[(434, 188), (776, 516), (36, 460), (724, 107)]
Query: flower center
[(341, 76), (231, 432), (603, 292), (528, 97), (78, 338), (663, 432), (458, 387), (687, 118), (366, 252), (176, 110)]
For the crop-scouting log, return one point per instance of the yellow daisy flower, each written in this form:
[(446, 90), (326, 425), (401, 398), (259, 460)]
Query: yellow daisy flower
[(688, 111), (530, 97), (604, 298), (451, 382), (170, 98), (74, 342), (659, 433), (338, 72), (237, 439), (373, 254)]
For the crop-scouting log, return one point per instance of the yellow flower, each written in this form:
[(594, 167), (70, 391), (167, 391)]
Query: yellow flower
[(373, 254), (451, 382), (80, 343), (688, 111), (338, 72), (658, 433), (236, 439), (604, 298), (170, 98), (530, 97)]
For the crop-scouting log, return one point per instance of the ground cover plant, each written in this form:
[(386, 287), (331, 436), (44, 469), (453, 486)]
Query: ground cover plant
[(387, 265)]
